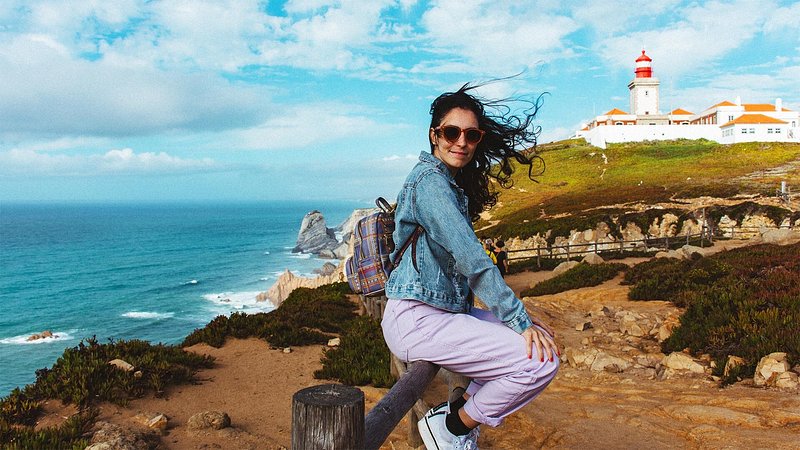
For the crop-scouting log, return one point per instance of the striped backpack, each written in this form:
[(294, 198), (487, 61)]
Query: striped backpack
[(369, 267)]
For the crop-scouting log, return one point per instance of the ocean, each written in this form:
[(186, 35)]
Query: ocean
[(153, 272)]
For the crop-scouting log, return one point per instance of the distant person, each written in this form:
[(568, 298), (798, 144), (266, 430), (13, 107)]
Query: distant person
[(488, 247), (501, 256), (510, 356)]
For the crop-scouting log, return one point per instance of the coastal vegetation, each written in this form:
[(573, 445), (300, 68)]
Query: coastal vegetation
[(361, 358), (743, 302), (82, 376), (306, 317), (584, 185), (582, 275)]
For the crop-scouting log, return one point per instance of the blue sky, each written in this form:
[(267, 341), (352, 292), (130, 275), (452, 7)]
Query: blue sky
[(255, 100)]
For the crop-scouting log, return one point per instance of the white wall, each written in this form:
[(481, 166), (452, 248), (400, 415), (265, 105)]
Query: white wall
[(601, 135)]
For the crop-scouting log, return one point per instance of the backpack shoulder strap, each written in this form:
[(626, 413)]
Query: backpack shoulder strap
[(412, 241)]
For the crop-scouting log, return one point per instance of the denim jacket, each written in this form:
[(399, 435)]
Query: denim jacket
[(450, 259)]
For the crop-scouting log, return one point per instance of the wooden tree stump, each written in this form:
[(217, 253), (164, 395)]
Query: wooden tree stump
[(328, 417)]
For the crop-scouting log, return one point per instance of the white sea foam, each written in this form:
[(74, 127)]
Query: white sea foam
[(23, 339), (300, 255), (191, 282), (266, 253), (226, 302), (147, 315)]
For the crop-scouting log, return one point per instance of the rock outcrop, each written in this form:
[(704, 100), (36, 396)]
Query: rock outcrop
[(314, 235), (288, 282), (46, 334)]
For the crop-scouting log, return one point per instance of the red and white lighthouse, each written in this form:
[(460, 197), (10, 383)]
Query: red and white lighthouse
[(644, 89), (644, 66)]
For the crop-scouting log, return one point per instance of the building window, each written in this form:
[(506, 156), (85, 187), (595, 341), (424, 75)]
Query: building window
[(646, 93), (646, 112), (752, 131), (618, 123), (744, 130), (777, 131), (730, 118), (769, 130), (793, 123)]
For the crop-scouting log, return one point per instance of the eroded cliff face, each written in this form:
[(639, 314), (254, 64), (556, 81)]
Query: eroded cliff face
[(288, 282)]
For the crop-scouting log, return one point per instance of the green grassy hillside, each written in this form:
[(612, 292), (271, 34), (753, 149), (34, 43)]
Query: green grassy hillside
[(581, 180)]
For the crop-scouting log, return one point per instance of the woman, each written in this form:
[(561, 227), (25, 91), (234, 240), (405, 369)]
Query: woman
[(429, 315)]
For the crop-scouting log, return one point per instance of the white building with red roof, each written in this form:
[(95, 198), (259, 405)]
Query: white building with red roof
[(726, 122)]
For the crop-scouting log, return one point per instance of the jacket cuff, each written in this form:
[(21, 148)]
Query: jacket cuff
[(520, 323)]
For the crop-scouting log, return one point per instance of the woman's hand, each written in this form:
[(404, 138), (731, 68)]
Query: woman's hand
[(544, 341)]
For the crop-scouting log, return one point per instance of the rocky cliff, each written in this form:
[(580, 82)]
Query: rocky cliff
[(288, 282), (314, 236)]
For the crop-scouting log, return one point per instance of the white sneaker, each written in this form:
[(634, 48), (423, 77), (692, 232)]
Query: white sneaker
[(434, 433)]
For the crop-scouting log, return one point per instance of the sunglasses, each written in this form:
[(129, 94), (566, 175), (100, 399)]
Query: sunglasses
[(451, 133)]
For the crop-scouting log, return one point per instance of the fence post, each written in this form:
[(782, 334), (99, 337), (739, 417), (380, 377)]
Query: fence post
[(382, 419), (328, 417), (567, 247), (539, 257)]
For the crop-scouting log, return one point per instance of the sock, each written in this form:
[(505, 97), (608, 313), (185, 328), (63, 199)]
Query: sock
[(455, 425), (457, 404)]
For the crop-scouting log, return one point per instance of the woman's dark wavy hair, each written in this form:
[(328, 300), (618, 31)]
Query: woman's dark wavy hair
[(506, 132)]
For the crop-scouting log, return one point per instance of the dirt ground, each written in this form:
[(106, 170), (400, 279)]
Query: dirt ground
[(581, 409)]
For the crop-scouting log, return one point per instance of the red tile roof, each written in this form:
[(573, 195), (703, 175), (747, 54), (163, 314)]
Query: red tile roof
[(761, 107), (615, 112), (681, 112), (752, 119)]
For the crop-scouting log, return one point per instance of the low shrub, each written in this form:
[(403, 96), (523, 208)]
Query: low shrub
[(361, 358), (582, 275), (744, 302), (304, 318), (667, 278), (69, 435), (82, 374)]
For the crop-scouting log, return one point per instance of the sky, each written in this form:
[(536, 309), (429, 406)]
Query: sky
[(234, 100)]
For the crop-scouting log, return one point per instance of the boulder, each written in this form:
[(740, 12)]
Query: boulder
[(314, 235), (121, 365), (682, 361), (787, 380), (155, 421), (630, 326), (209, 420), (593, 258), (583, 325), (109, 436), (608, 363), (334, 342), (577, 357), (769, 368), (780, 236), (43, 335), (732, 363), (563, 267)]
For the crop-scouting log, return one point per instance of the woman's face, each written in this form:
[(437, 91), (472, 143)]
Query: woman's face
[(458, 153)]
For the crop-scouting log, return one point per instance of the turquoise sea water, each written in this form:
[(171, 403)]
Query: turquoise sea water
[(153, 272)]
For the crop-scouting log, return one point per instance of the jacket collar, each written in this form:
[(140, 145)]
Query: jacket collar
[(428, 158)]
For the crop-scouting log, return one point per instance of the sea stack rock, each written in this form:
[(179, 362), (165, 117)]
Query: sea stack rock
[(314, 235)]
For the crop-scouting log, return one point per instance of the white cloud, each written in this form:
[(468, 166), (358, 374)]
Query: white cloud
[(497, 36), (304, 126), (400, 158), (613, 16), (703, 34), (45, 90), (119, 161)]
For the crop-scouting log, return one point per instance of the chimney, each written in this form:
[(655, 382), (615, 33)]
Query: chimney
[(738, 101), (778, 105)]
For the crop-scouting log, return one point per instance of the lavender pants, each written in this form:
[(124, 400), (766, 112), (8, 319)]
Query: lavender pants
[(476, 345)]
